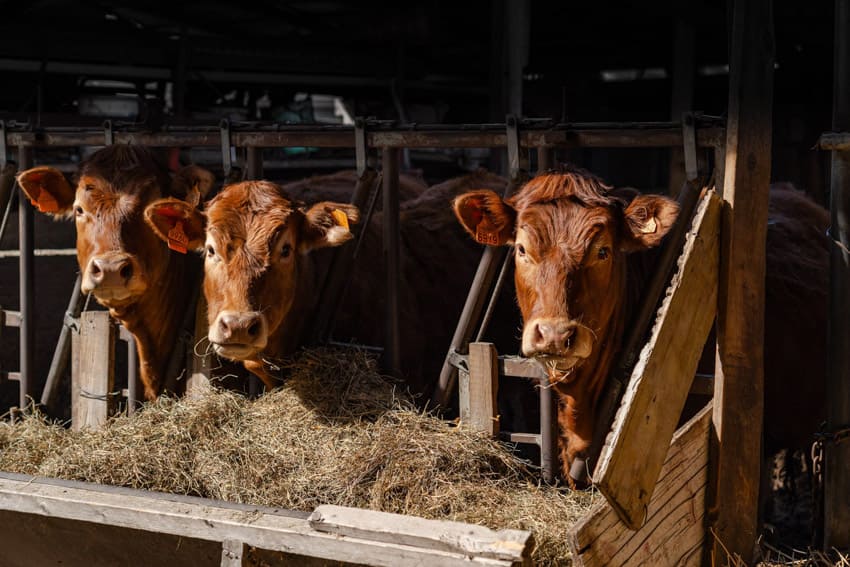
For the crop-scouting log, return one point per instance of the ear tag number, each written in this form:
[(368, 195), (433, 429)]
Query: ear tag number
[(177, 239), (484, 236), (341, 218)]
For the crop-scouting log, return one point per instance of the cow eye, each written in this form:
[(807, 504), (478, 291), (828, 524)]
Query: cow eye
[(520, 249), (603, 252), (78, 210), (210, 251), (285, 251)]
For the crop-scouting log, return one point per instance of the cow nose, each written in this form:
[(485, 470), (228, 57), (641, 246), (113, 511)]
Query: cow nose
[(240, 327), (111, 271), (552, 335)]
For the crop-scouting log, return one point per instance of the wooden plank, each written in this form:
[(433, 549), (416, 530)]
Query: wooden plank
[(199, 365), (232, 553), (634, 452), (836, 495), (483, 388), (93, 374), (467, 539), (674, 533), (200, 519), (739, 383)]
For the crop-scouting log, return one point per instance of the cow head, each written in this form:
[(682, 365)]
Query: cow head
[(119, 257), (571, 235), (255, 242)]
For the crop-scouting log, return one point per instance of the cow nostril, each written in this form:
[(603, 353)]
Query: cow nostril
[(126, 271), (254, 329), (222, 324), (95, 269)]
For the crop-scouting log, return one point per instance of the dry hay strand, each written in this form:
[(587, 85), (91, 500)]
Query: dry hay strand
[(337, 433)]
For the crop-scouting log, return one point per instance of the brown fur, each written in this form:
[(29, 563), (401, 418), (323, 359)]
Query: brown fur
[(114, 186)]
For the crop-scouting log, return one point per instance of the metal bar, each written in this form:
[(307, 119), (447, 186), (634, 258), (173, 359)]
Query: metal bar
[(226, 144), (108, 134), (494, 297), (837, 455), (254, 171), (524, 438), (26, 284), (10, 318), (568, 136), (254, 162), (392, 264), (7, 193), (360, 146), (548, 431), (62, 354), (132, 375)]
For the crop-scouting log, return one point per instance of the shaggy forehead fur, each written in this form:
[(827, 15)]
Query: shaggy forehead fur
[(574, 184), (249, 215), (128, 169)]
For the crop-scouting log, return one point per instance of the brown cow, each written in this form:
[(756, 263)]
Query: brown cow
[(572, 236), (122, 262), (261, 268)]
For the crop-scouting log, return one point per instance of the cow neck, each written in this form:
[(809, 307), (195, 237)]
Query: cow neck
[(155, 319), (288, 336)]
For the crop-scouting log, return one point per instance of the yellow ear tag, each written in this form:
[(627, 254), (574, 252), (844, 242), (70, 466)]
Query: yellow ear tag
[(341, 218), (177, 239), (650, 226), (46, 203)]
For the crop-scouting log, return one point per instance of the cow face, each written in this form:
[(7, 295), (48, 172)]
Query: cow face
[(570, 236), (119, 256), (255, 242)]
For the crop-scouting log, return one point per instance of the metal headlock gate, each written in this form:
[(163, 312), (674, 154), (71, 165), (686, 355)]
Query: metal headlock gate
[(515, 135)]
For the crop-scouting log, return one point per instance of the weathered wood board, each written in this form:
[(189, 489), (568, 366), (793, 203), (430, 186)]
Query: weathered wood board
[(93, 397), (674, 532), (479, 388), (635, 450), (81, 508)]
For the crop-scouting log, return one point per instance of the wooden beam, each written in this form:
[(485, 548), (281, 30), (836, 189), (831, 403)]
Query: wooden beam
[(739, 385), (93, 371), (836, 480), (263, 528), (674, 533), (480, 391), (232, 553), (455, 537), (635, 451), (199, 366)]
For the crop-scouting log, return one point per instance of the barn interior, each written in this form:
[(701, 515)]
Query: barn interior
[(152, 65)]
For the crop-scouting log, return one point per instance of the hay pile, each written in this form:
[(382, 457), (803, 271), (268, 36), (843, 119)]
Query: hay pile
[(336, 433)]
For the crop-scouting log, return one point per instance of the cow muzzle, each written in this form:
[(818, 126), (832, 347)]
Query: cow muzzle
[(112, 277), (560, 342), (238, 335)]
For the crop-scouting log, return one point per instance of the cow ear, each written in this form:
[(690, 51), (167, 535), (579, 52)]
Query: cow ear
[(648, 218), (192, 184), (177, 223), (48, 190), (327, 224), (486, 217)]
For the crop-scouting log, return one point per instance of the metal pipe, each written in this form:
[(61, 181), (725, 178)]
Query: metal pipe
[(494, 297), (132, 375), (392, 264), (548, 431), (26, 291), (7, 194), (62, 353)]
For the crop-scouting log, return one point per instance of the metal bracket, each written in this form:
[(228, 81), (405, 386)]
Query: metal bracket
[(108, 134), (360, 148), (689, 142)]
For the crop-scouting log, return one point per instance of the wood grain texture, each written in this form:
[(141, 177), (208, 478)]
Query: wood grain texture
[(93, 371), (674, 532), (739, 384), (636, 448), (199, 368), (483, 387)]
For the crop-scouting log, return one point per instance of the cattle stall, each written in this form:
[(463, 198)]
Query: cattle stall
[(692, 471)]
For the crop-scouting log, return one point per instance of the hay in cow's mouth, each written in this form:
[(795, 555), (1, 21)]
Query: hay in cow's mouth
[(336, 433)]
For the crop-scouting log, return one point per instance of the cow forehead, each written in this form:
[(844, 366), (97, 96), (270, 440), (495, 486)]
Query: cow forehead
[(100, 197), (564, 222)]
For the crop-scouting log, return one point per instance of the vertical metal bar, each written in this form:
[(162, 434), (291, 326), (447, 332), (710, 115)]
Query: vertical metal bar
[(7, 193), (360, 146), (491, 305), (226, 158), (26, 291), (108, 135), (545, 159), (548, 431), (254, 162), (62, 354), (517, 30), (132, 375), (390, 166), (836, 480)]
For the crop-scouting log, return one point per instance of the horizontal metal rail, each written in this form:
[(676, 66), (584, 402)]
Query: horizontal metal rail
[(710, 133)]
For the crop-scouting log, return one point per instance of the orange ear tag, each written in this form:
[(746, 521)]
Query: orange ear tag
[(341, 218), (46, 203), (485, 236), (177, 239)]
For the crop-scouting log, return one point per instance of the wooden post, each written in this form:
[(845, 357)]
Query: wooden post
[(199, 367), (93, 371), (479, 389), (232, 553), (739, 387), (836, 480)]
